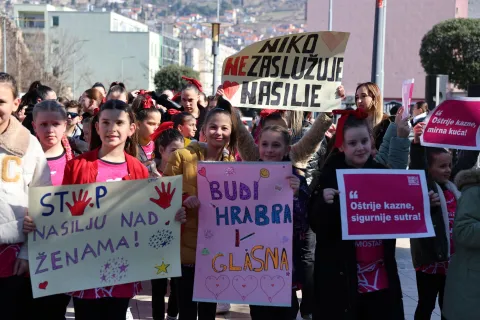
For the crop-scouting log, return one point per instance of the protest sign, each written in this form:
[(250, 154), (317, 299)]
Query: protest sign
[(454, 124), (384, 204), (407, 93), (244, 246), (294, 72), (103, 234)]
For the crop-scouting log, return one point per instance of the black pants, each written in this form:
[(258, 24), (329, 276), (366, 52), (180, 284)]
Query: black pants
[(428, 287), (374, 306), (308, 262), (101, 309), (188, 309), (159, 291), (52, 307), (270, 313), (17, 303), (15, 298)]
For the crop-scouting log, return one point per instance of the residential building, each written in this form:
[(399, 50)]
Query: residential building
[(407, 21), (94, 46), (198, 55)]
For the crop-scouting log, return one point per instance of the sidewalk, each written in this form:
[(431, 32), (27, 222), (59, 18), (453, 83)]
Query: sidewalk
[(141, 304)]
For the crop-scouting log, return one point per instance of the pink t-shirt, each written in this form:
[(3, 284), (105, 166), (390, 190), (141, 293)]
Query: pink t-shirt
[(441, 267), (57, 168), (149, 148), (371, 272), (108, 172)]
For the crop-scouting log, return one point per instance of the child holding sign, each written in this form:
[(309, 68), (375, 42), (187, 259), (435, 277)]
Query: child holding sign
[(274, 145), (220, 130), (353, 279), (431, 256), (23, 165), (114, 147)]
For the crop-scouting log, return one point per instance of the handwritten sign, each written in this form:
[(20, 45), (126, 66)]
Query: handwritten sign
[(454, 124), (293, 72), (371, 209), (103, 234), (244, 246)]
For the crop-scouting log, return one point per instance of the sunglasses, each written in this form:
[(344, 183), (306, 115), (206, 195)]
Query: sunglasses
[(72, 114)]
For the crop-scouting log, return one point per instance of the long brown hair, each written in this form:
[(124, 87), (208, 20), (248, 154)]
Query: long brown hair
[(131, 143), (376, 108), (94, 94), (224, 107)]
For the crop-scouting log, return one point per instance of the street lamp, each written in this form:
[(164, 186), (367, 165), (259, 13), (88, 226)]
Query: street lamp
[(330, 16), (215, 49), (74, 66), (125, 58)]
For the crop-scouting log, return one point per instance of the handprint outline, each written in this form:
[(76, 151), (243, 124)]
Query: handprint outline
[(164, 196), (79, 204)]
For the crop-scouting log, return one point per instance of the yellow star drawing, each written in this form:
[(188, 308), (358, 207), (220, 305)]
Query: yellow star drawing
[(162, 268)]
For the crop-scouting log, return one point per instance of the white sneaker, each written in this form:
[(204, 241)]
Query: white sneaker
[(223, 307), (129, 315)]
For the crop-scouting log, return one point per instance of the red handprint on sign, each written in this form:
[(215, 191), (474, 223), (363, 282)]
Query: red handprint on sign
[(79, 205), (165, 197)]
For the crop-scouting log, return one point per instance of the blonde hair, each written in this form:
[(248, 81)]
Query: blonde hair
[(375, 110)]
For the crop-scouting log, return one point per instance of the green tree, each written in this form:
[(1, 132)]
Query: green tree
[(452, 47), (170, 77)]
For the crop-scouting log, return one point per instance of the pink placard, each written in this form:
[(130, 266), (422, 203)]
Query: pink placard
[(384, 204), (454, 124), (244, 246)]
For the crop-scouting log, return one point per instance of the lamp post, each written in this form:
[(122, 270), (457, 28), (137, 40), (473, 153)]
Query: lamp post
[(5, 43), (125, 58), (215, 49), (74, 66), (379, 44)]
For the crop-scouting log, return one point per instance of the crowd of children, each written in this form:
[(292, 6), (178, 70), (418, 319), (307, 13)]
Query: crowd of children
[(113, 135)]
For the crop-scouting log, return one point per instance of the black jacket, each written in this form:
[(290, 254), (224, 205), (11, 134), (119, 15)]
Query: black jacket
[(336, 282), (426, 251)]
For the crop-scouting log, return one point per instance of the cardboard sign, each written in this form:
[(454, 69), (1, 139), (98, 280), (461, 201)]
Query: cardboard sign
[(372, 209), (244, 246), (103, 234), (294, 72), (454, 124)]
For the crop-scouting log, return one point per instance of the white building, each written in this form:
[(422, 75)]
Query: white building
[(198, 56), (96, 46)]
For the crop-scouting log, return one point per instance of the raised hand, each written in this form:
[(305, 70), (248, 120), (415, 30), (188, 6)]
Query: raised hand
[(79, 205), (418, 131), (164, 197)]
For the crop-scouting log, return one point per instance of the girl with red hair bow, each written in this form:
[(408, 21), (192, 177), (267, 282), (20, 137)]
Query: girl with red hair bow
[(190, 97), (148, 119)]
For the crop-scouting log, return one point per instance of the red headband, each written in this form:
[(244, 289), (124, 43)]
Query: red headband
[(195, 82), (357, 113), (173, 112), (148, 102), (164, 126), (266, 112)]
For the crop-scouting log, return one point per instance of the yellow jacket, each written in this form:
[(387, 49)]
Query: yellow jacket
[(184, 161)]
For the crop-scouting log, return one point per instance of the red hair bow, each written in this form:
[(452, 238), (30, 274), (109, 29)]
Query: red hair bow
[(96, 111), (164, 126), (142, 92), (195, 82), (148, 102), (173, 112), (344, 114), (266, 112)]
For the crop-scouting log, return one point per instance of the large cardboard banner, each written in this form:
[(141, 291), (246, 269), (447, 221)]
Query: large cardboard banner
[(384, 204), (294, 72), (454, 124), (244, 246), (103, 234)]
